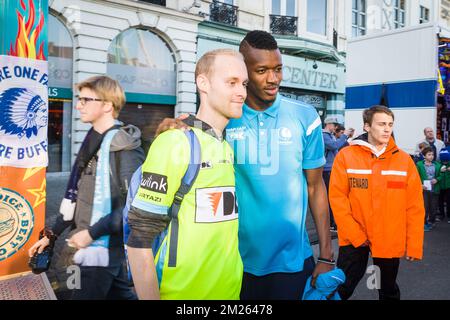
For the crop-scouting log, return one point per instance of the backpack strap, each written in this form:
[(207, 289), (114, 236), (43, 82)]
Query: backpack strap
[(186, 184)]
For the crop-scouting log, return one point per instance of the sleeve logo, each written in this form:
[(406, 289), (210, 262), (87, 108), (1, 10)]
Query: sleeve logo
[(154, 182)]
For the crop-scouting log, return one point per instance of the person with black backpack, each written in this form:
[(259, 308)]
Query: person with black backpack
[(96, 193)]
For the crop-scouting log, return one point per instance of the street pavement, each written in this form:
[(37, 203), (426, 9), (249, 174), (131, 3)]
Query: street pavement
[(428, 279)]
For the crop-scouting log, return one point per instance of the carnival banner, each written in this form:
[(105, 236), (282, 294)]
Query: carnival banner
[(23, 113), (23, 129)]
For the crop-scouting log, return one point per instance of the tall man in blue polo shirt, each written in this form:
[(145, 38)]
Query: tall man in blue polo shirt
[(279, 155)]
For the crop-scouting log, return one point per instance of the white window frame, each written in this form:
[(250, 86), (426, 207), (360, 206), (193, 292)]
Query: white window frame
[(360, 30), (327, 15), (399, 12), (424, 14), (283, 8)]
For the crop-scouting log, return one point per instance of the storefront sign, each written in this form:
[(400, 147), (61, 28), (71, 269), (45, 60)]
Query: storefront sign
[(59, 93), (144, 80), (297, 72), (326, 77)]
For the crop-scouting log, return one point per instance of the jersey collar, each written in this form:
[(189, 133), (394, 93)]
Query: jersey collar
[(272, 111), (194, 122)]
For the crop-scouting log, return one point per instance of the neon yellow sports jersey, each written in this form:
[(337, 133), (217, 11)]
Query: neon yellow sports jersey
[(208, 264)]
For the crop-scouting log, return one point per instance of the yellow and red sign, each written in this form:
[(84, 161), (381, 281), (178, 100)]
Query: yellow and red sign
[(23, 129)]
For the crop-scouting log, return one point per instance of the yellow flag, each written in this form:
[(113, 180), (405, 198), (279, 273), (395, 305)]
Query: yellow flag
[(441, 89)]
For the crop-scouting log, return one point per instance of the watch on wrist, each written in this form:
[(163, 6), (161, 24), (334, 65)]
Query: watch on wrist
[(327, 261)]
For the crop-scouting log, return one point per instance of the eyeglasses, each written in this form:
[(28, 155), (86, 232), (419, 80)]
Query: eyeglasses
[(84, 100)]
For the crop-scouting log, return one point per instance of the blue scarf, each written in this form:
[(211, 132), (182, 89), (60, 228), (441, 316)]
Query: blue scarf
[(89, 148), (97, 253)]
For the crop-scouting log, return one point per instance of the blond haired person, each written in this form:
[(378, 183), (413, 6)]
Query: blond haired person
[(95, 195)]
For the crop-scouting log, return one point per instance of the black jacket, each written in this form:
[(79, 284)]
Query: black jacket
[(125, 157)]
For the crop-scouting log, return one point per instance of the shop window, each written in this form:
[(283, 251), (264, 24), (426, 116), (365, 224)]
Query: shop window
[(317, 100), (142, 63), (146, 118), (145, 67)]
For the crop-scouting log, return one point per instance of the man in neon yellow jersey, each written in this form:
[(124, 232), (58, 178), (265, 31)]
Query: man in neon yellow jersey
[(198, 257)]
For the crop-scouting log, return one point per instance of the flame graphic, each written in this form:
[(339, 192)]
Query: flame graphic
[(215, 197), (26, 40)]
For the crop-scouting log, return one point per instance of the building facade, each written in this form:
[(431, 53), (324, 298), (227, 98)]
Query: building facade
[(366, 17), (151, 48), (398, 54), (148, 46), (307, 32)]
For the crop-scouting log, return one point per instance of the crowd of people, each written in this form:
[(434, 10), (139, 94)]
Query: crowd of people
[(432, 159), (216, 215)]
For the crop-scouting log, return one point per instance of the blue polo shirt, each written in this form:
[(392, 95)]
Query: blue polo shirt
[(271, 149)]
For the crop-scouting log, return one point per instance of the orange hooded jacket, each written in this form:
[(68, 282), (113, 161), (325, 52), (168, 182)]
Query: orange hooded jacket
[(378, 198)]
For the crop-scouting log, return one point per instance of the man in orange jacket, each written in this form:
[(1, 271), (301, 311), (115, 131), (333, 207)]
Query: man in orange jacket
[(376, 196)]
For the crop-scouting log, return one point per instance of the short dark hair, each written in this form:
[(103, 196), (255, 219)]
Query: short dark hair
[(260, 39), (426, 150), (369, 113), (339, 127)]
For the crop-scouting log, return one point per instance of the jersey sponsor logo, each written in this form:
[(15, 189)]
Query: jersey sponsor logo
[(149, 197), (215, 205), (16, 222), (206, 165), (154, 182), (358, 183), (236, 133), (285, 135)]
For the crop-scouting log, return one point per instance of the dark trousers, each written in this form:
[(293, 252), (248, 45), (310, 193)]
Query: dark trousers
[(326, 178), (277, 286), (431, 201), (103, 283), (444, 197), (353, 261)]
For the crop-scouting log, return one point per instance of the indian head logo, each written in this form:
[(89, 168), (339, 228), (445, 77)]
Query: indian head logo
[(23, 112), (216, 205), (16, 222)]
